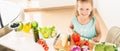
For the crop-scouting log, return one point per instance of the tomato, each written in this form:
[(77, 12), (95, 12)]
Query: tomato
[(46, 48), (86, 43), (77, 43), (40, 42), (76, 37), (44, 45)]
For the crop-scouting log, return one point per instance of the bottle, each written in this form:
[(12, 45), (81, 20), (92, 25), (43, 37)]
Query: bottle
[(36, 35)]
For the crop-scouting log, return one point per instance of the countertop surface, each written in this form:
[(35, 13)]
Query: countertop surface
[(21, 41)]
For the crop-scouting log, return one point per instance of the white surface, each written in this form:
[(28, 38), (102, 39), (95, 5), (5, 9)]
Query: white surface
[(110, 12), (20, 41), (9, 11)]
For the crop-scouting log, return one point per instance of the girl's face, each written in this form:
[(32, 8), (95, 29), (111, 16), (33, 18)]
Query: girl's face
[(84, 9)]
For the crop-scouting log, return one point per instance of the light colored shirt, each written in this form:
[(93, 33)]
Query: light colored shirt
[(85, 30)]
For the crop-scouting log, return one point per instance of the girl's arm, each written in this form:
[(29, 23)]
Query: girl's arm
[(71, 27), (98, 32)]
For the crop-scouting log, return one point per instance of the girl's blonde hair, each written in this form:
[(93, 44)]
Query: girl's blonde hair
[(81, 1)]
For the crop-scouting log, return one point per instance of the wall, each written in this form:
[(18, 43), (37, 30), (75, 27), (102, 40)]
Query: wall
[(110, 12), (59, 17), (43, 3)]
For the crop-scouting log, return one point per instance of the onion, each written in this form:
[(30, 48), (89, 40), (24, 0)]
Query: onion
[(75, 48), (85, 48)]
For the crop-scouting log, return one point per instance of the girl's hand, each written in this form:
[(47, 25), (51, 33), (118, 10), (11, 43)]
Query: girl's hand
[(71, 31), (96, 39)]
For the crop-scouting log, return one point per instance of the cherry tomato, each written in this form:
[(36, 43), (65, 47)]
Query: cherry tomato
[(77, 43), (46, 48), (86, 43), (40, 42), (44, 45)]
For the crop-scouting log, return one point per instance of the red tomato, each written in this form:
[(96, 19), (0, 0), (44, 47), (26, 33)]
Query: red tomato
[(86, 43), (77, 43), (75, 37), (46, 48), (44, 45), (40, 42)]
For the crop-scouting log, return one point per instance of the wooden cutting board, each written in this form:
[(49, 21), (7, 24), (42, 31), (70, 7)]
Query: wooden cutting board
[(67, 47)]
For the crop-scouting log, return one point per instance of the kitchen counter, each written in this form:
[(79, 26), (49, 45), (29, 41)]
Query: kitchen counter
[(20, 41)]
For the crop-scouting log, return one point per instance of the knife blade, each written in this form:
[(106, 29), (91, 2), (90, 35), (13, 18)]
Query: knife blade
[(56, 39)]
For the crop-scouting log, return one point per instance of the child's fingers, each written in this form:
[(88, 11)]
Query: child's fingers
[(95, 39), (70, 31)]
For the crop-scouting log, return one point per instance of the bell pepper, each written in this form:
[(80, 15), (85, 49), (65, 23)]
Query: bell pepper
[(76, 37)]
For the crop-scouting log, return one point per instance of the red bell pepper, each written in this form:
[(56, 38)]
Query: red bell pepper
[(76, 37)]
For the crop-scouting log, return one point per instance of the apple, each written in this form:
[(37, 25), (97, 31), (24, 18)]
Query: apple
[(20, 27), (53, 34), (47, 31), (45, 35), (34, 24)]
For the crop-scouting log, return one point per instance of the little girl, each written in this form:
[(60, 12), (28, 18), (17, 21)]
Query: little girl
[(84, 22)]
